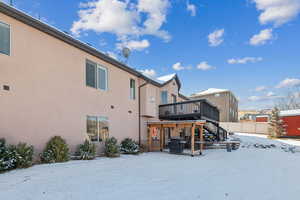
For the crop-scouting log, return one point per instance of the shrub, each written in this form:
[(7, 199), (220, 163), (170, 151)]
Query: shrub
[(56, 150), (278, 127), (24, 155), (86, 151), (128, 146), (7, 156), (111, 147)]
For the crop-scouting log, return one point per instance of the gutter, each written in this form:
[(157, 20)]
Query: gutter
[(144, 84)]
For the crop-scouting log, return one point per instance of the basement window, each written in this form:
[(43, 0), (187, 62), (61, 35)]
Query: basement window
[(97, 128), (4, 38)]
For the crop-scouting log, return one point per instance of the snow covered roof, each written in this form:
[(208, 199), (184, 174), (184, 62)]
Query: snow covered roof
[(286, 113), (166, 78), (258, 116), (210, 91)]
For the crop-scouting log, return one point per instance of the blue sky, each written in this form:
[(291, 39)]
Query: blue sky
[(248, 46)]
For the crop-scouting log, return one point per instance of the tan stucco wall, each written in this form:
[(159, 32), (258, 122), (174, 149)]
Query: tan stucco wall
[(48, 95), (150, 101)]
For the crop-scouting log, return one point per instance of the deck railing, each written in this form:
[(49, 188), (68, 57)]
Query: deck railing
[(193, 109)]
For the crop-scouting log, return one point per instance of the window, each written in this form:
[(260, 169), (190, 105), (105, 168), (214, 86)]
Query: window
[(164, 97), (91, 74), (102, 78), (96, 76), (132, 89), (97, 128), (4, 38)]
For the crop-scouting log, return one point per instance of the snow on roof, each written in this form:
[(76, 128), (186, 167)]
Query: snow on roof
[(258, 116), (210, 91), (285, 113), (165, 78)]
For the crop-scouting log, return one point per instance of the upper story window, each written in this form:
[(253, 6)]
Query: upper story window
[(164, 97), (96, 76), (132, 89), (4, 38)]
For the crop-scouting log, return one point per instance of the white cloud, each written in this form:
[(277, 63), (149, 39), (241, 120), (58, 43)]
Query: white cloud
[(178, 66), (148, 72), (191, 8), (244, 60), (260, 88), (289, 82), (262, 37), (267, 97), (277, 11), (205, 66), (123, 18), (112, 16), (134, 45), (156, 11), (270, 94), (216, 38), (254, 98)]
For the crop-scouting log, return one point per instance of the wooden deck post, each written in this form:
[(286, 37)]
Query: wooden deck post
[(201, 139), (161, 137), (150, 138), (193, 140)]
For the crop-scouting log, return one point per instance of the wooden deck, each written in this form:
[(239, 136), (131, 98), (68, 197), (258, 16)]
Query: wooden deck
[(174, 126)]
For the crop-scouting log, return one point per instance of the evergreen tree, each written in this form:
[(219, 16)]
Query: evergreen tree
[(278, 128)]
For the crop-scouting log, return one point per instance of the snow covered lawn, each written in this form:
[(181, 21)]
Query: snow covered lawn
[(248, 173)]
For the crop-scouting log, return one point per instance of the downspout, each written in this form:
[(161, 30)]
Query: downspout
[(140, 111)]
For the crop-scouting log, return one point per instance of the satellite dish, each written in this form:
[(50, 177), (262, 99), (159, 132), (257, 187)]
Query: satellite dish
[(126, 53)]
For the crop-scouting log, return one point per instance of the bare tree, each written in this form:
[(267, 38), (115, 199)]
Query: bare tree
[(290, 101)]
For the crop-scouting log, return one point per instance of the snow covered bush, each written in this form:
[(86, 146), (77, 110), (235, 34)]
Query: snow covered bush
[(111, 147), (128, 146), (86, 151), (24, 155), (56, 150), (7, 156)]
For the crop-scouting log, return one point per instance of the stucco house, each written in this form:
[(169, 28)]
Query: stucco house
[(52, 84)]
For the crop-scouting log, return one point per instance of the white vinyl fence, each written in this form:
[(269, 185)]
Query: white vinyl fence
[(246, 127)]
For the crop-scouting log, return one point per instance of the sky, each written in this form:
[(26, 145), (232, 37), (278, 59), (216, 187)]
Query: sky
[(250, 47)]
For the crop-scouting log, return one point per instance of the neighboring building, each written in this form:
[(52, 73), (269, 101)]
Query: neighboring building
[(245, 114), (291, 119), (225, 100), (262, 118), (52, 84)]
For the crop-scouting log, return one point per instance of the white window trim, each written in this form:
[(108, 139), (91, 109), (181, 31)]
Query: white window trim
[(97, 78), (98, 128), (10, 50)]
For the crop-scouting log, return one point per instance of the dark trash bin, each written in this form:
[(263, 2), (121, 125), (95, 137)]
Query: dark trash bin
[(176, 146)]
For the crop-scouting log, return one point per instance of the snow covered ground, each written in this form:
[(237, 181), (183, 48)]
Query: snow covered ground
[(246, 174)]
